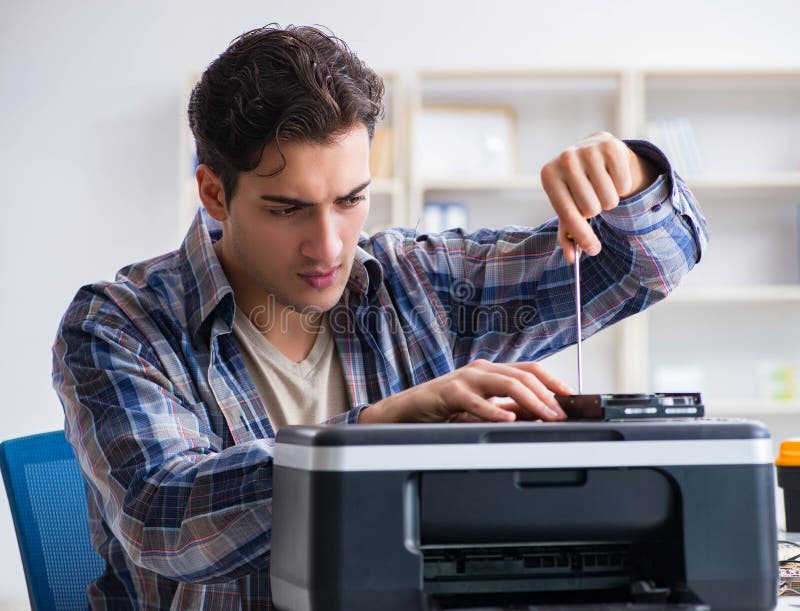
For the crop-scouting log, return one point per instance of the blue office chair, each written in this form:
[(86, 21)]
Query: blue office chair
[(48, 503)]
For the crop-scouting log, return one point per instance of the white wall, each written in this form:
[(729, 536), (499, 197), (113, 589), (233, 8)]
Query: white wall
[(89, 110)]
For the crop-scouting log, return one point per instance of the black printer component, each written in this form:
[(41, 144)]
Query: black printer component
[(651, 515), (632, 406), (629, 534)]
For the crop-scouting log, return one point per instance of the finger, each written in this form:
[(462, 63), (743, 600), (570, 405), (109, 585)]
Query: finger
[(504, 381), (570, 220), (473, 401), (465, 417), (600, 179), (583, 194), (552, 382), (567, 244), (529, 376), (509, 404), (618, 159)]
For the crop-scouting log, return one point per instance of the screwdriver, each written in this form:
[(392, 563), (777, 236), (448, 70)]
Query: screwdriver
[(578, 316)]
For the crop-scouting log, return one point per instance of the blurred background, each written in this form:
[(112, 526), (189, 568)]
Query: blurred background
[(94, 160)]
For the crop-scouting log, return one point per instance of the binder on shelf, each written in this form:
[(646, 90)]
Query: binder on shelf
[(380, 158), (438, 216)]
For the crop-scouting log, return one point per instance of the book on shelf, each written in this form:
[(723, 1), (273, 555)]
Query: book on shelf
[(438, 216), (380, 158)]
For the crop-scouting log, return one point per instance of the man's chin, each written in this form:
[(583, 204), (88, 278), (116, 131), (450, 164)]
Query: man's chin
[(322, 303)]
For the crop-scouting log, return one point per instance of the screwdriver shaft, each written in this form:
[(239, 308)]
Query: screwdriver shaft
[(578, 316)]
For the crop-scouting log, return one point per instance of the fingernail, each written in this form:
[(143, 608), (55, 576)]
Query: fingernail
[(593, 249), (555, 408)]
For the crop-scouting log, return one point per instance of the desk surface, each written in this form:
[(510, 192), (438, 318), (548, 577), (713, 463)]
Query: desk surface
[(788, 603)]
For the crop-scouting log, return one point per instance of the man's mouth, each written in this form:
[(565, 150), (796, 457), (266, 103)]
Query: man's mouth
[(321, 279)]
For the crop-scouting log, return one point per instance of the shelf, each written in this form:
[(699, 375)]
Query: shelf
[(744, 294), (739, 181), (384, 186), (749, 190), (734, 182), (521, 182), (716, 80), (465, 86), (751, 408)]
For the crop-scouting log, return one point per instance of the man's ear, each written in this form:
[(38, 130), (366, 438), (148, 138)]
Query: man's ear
[(209, 187)]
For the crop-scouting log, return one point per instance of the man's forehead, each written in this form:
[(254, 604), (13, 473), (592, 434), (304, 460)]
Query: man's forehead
[(304, 164), (275, 153)]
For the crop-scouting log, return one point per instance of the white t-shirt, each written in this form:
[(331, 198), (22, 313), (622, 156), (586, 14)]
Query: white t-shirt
[(308, 392)]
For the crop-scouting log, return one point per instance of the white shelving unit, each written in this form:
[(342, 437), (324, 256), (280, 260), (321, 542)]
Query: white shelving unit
[(387, 191), (737, 312), (732, 324), (549, 110), (187, 161), (388, 188)]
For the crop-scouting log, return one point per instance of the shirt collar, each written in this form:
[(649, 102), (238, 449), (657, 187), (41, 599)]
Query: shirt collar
[(205, 278), (206, 285), (367, 274)]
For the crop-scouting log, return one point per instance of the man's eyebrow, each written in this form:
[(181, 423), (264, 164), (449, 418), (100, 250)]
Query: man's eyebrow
[(299, 203)]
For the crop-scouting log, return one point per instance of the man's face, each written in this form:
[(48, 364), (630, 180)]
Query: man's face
[(291, 238)]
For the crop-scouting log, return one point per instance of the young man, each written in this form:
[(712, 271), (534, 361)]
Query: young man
[(276, 310)]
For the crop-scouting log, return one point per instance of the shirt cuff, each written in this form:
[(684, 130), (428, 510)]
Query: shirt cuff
[(348, 417), (641, 212), (666, 196)]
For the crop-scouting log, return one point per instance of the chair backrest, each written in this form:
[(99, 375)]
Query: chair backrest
[(48, 503)]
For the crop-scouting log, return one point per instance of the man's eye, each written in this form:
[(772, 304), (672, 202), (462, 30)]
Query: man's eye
[(354, 201), (284, 211)]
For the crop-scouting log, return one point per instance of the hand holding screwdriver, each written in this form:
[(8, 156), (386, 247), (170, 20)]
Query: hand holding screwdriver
[(588, 178)]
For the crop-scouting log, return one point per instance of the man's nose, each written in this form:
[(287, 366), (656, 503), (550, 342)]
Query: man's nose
[(322, 242)]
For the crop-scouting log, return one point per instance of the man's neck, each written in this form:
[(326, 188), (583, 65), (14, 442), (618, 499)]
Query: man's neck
[(294, 334), (291, 332)]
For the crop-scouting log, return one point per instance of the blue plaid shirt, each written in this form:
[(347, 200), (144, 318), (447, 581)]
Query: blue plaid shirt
[(174, 441)]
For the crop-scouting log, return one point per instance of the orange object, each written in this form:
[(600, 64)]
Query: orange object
[(789, 455)]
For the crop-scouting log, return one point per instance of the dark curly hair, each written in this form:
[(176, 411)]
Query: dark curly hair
[(274, 85)]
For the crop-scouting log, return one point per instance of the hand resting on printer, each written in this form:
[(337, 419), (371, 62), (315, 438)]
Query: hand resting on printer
[(481, 390)]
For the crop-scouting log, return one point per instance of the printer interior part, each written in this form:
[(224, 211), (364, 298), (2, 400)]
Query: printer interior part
[(549, 546), (632, 406)]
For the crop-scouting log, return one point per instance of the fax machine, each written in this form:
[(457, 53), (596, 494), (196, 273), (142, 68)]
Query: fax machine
[(643, 515)]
